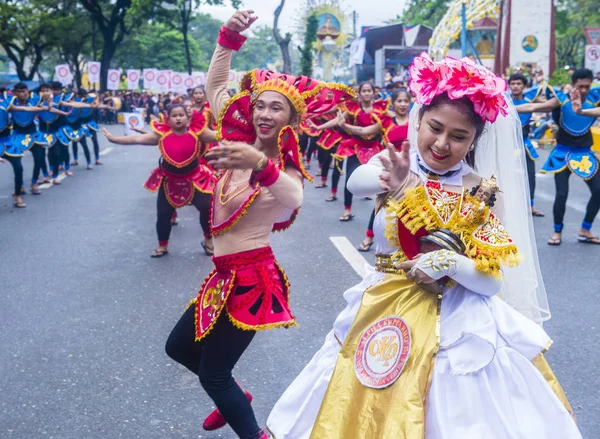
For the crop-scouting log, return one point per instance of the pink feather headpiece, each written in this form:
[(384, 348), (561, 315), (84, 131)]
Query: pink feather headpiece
[(458, 78)]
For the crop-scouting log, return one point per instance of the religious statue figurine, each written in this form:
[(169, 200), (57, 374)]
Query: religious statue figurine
[(479, 199)]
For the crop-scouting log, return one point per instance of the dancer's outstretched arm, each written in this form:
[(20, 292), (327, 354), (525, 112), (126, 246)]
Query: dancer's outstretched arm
[(218, 72), (134, 139)]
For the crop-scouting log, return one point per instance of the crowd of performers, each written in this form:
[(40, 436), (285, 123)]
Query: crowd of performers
[(45, 123), (356, 130), (443, 337)]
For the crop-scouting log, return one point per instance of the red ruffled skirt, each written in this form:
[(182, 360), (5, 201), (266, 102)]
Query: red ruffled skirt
[(330, 138), (181, 188), (251, 287), (363, 149)]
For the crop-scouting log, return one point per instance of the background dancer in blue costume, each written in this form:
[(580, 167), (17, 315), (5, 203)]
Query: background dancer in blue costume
[(51, 134), (14, 142), (573, 152), (517, 83)]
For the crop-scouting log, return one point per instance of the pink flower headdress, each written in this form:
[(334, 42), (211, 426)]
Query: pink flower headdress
[(458, 78)]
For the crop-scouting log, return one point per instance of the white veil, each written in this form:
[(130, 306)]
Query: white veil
[(500, 152)]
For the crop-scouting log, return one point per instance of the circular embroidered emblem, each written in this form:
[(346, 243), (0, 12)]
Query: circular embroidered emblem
[(382, 352)]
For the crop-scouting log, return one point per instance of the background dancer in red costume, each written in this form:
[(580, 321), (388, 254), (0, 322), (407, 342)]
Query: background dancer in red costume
[(395, 127), (260, 191), (181, 177), (355, 146)]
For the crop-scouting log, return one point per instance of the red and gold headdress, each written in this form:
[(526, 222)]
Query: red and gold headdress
[(308, 96)]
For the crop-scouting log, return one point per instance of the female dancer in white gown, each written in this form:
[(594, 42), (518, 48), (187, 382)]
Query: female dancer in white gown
[(484, 382)]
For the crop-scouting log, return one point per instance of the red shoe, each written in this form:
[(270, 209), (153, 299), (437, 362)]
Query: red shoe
[(215, 420)]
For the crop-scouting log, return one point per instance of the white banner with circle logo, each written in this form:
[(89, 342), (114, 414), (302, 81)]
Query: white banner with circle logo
[(133, 120), (162, 81), (150, 78), (63, 74), (133, 79), (188, 82), (177, 82), (94, 71), (199, 78), (112, 80)]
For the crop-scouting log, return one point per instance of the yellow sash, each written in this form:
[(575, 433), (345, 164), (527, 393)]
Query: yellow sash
[(351, 410)]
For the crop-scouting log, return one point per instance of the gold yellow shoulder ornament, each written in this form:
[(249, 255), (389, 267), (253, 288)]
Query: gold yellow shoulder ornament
[(466, 214)]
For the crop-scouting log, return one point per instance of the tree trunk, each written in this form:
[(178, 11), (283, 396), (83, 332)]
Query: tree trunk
[(108, 50), (185, 22), (284, 43)]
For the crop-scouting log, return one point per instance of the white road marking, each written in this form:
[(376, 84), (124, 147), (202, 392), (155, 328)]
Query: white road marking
[(352, 256), (106, 150)]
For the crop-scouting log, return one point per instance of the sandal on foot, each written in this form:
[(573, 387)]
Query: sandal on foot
[(331, 198), (99, 163), (208, 251), (538, 213), (89, 168), (589, 240), (35, 191), (75, 163), (346, 218), (320, 186), (364, 248), (19, 204), (555, 241), (159, 253)]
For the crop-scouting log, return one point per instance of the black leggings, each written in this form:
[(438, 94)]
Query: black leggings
[(39, 162), (325, 161), (96, 145), (338, 165), (530, 176), (561, 181), (351, 164), (164, 213), (303, 140), (86, 150), (371, 223), (212, 359), (17, 166), (312, 147), (55, 156)]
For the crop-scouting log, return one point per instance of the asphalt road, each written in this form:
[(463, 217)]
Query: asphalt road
[(85, 311)]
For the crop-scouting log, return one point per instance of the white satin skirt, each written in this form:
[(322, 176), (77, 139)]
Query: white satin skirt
[(294, 415)]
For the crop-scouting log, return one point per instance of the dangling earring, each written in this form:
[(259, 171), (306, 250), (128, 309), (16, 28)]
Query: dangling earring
[(472, 147), (418, 126)]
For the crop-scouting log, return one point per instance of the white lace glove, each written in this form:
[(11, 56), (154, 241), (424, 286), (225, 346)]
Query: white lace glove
[(461, 269)]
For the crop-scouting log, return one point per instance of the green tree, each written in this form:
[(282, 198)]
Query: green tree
[(68, 18), (156, 45), (306, 52), (427, 12), (204, 30), (184, 13), (259, 51), (115, 20), (24, 34), (571, 16)]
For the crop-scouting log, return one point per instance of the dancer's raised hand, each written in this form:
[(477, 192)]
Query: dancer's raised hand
[(396, 167), (241, 21)]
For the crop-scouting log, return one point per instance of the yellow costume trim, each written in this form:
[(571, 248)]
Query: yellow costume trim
[(223, 309), (487, 244), (264, 327), (241, 214), (289, 91)]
